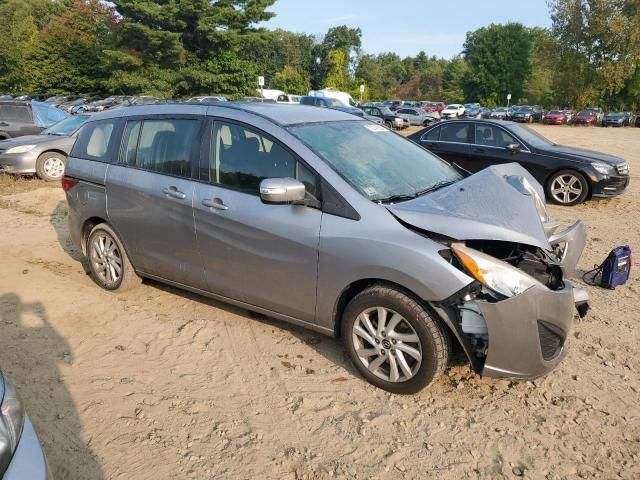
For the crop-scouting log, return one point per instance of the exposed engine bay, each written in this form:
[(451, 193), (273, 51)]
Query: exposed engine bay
[(534, 261)]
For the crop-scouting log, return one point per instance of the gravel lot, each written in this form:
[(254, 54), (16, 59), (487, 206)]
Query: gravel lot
[(163, 384)]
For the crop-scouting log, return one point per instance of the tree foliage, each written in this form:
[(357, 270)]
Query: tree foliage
[(498, 57), (176, 48), (599, 45)]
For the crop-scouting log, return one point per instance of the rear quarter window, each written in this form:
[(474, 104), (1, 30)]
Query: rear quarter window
[(96, 141)]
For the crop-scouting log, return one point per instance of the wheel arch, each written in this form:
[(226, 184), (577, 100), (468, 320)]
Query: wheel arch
[(54, 150), (355, 287), (87, 226)]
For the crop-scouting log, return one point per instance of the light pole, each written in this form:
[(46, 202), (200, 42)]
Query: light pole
[(508, 99)]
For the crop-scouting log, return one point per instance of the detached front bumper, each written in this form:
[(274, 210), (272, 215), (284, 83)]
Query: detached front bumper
[(527, 333)]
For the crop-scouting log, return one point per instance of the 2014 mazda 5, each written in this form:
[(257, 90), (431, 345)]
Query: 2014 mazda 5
[(326, 220)]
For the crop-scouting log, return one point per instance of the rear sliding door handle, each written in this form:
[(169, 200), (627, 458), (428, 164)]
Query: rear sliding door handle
[(174, 192), (216, 203)]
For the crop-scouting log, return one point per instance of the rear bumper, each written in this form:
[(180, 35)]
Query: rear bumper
[(28, 460), (18, 163), (528, 332)]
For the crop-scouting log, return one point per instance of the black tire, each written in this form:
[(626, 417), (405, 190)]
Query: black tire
[(434, 339), (572, 201), (389, 124), (48, 166), (128, 277)]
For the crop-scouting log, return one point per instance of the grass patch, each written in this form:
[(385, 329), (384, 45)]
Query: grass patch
[(10, 184)]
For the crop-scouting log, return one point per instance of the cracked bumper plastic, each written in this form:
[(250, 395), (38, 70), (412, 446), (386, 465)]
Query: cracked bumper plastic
[(527, 333)]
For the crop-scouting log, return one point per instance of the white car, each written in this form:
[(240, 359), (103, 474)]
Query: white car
[(454, 110), (284, 98)]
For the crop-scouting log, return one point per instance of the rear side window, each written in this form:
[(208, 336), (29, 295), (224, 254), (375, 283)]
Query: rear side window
[(163, 145), (307, 101), (457, 132), (95, 141)]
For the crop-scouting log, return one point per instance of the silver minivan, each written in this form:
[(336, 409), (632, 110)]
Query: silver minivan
[(328, 221)]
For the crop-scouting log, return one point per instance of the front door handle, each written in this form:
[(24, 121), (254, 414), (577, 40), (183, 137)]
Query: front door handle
[(174, 192), (216, 203)]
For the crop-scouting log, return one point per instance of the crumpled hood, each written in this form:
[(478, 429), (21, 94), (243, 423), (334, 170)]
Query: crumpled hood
[(582, 154), (489, 205)]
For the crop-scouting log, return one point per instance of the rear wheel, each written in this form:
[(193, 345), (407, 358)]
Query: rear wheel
[(393, 341), (50, 166), (109, 263), (567, 187)]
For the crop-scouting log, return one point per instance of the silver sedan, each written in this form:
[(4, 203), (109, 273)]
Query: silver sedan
[(44, 155)]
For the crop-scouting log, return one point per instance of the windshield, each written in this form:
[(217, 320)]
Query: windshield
[(615, 114), (532, 137), (556, 112), (54, 99), (452, 107), (377, 162), (586, 113), (66, 126)]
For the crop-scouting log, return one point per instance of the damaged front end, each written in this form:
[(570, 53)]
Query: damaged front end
[(513, 321), (514, 318)]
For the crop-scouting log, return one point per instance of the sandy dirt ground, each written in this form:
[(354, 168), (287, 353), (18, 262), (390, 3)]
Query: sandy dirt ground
[(162, 384)]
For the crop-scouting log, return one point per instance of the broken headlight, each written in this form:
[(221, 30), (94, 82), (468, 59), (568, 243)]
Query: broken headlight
[(494, 274)]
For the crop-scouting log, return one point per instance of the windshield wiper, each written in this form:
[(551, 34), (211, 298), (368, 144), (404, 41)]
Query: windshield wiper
[(394, 199), (436, 186)]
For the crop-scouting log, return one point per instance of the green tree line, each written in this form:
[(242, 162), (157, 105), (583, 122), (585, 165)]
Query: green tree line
[(178, 48)]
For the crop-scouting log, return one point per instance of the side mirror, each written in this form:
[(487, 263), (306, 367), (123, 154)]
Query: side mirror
[(282, 190), (513, 148)]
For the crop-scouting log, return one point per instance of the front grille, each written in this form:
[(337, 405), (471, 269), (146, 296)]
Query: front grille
[(551, 339), (623, 169)]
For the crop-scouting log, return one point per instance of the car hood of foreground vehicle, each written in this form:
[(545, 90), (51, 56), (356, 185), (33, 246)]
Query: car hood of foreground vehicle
[(492, 204)]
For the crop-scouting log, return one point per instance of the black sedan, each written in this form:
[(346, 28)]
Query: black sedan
[(569, 175)]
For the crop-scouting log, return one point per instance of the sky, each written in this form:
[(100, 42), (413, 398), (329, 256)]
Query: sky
[(405, 27)]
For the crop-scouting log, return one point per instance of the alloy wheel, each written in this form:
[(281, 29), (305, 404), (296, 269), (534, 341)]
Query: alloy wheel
[(106, 259), (53, 167), (386, 344), (566, 188)]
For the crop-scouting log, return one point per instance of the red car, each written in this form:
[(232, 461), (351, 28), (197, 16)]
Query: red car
[(431, 107), (585, 117), (555, 117)]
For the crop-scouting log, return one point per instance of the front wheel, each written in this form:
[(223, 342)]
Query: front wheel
[(50, 166), (393, 341), (567, 187), (109, 263), (389, 124)]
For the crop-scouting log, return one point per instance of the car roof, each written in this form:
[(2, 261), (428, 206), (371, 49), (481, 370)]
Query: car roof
[(280, 113)]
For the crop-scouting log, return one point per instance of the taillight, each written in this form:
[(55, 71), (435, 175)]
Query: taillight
[(68, 183)]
